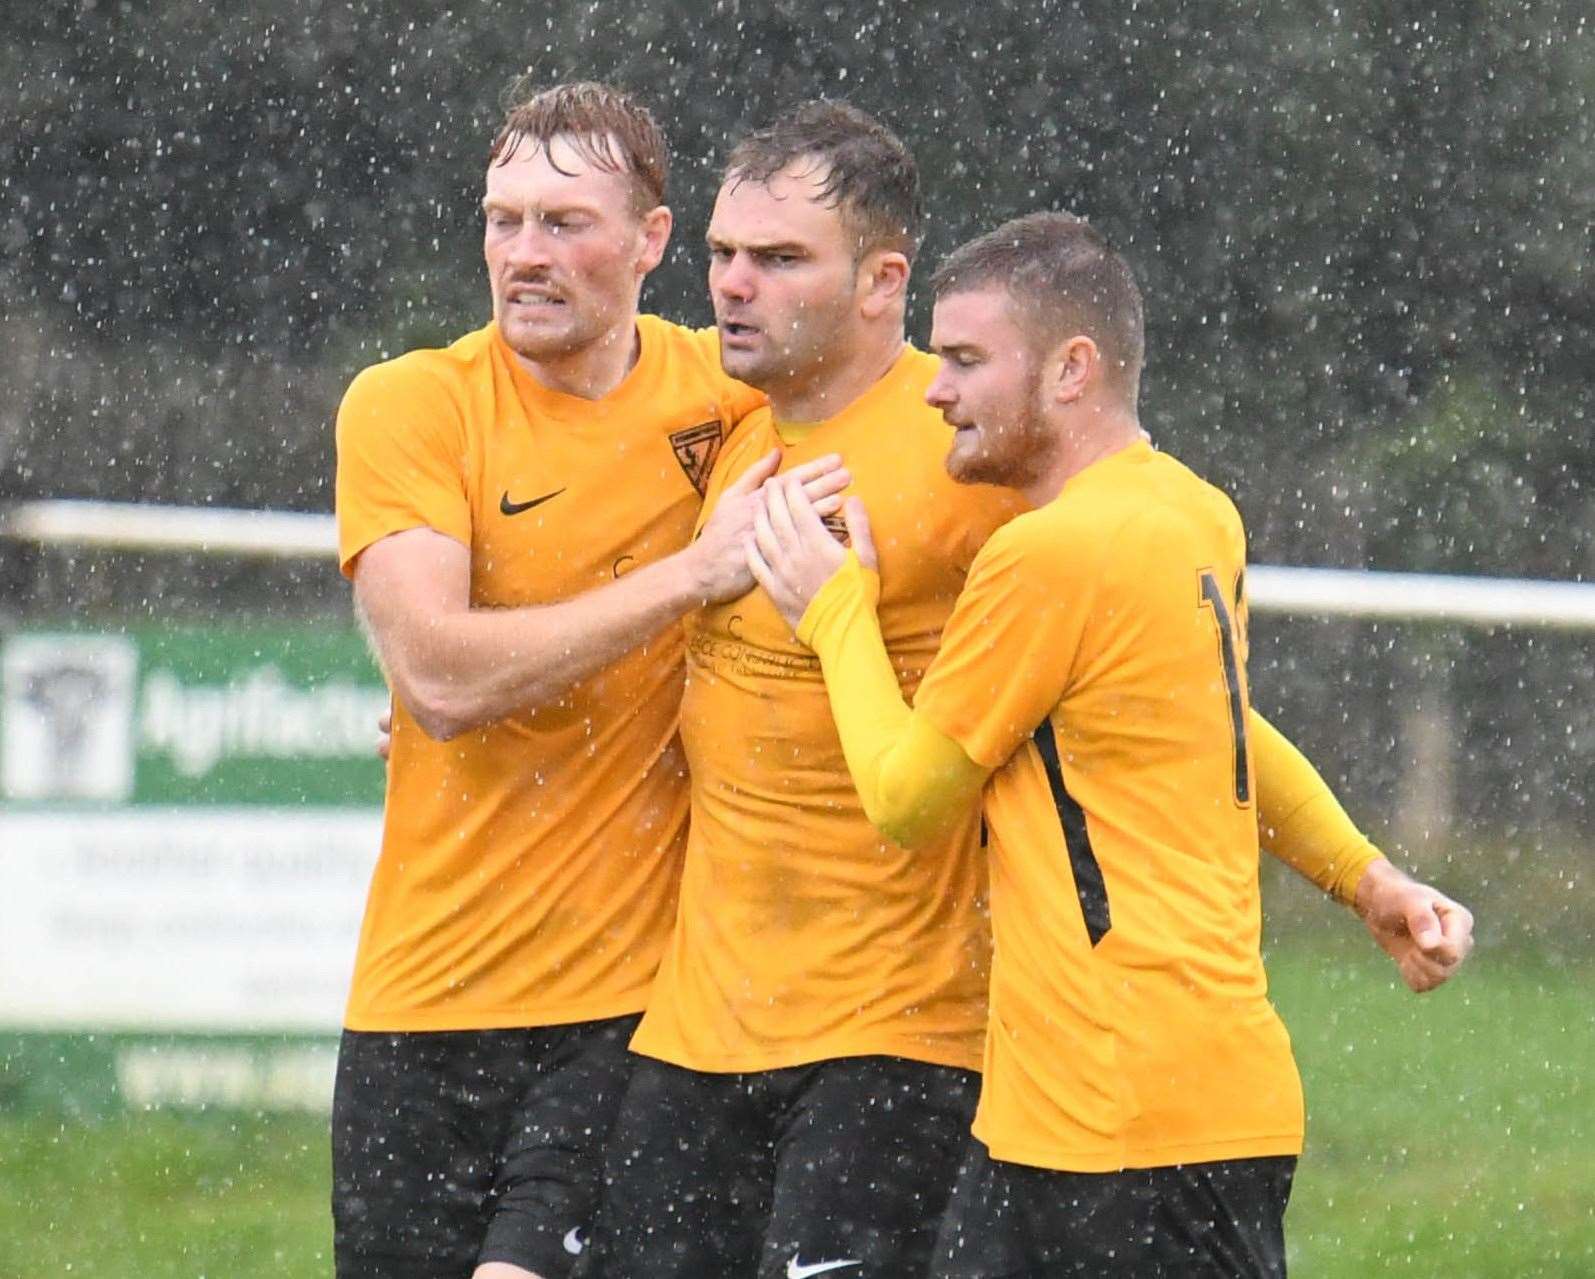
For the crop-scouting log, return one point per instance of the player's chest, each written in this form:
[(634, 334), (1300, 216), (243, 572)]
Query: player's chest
[(557, 511), (922, 534)]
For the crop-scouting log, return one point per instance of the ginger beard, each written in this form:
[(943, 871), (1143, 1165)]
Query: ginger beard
[(989, 390), (1007, 448)]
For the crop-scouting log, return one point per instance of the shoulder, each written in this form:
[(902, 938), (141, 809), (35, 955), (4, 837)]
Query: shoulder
[(691, 352), (699, 347), (689, 360), (1070, 532), (427, 371), (422, 393), (1143, 495), (1179, 503), (919, 367), (1036, 553)]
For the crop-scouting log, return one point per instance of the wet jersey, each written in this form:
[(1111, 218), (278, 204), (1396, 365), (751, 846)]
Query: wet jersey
[(528, 868), (1097, 661), (803, 934)]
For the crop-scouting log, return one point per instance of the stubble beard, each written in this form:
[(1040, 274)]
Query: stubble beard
[(796, 362), (1013, 459)]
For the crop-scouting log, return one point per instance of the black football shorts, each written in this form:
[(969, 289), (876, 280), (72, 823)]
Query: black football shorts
[(838, 1168), (451, 1148), (1221, 1220)]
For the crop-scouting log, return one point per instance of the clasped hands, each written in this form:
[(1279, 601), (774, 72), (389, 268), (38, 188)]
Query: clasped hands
[(792, 553)]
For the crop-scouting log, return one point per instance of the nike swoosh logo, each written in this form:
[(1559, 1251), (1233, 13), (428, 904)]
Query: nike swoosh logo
[(795, 1269), (573, 1241), (515, 508)]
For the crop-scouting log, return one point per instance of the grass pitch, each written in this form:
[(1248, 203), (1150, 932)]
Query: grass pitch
[(1448, 1136)]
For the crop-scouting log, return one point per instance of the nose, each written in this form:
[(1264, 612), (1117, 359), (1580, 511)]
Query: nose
[(530, 248), (939, 394), (731, 277)]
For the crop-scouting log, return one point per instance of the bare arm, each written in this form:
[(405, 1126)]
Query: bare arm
[(456, 668)]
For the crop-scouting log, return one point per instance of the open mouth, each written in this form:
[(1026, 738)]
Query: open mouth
[(533, 297), (732, 331)]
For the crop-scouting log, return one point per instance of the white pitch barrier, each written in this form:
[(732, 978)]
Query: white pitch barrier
[(142, 527), (1431, 597), (1313, 592)]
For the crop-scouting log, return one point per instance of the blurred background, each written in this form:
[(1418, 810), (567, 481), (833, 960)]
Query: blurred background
[(1365, 235)]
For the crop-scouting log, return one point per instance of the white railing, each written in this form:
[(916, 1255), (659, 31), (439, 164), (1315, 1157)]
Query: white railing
[(1317, 592)]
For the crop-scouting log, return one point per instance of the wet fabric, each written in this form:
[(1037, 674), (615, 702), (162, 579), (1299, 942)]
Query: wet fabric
[(1220, 1220), (528, 867), (845, 1166), (451, 1148), (1097, 660), (804, 934)]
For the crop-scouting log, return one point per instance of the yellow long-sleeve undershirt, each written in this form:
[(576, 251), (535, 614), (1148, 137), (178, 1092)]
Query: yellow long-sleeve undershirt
[(915, 781)]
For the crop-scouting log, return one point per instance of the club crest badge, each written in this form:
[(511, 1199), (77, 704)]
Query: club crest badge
[(696, 449)]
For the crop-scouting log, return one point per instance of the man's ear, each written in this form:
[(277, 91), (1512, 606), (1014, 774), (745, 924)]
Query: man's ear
[(656, 225), (1073, 367), (882, 281)]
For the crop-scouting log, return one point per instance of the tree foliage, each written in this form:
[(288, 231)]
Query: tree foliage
[(1335, 212), (1364, 231)]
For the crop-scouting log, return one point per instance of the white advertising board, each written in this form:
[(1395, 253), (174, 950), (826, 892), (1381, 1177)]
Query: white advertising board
[(181, 918)]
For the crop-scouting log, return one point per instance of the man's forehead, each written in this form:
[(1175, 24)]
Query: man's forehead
[(963, 314), (791, 201), (562, 161)]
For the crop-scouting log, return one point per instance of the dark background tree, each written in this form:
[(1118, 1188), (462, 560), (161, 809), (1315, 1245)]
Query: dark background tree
[(1364, 232)]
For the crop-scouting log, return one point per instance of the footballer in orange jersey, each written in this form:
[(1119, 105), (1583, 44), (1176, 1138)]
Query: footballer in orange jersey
[(516, 513), (1140, 1110)]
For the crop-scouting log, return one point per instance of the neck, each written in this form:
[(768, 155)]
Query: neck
[(1097, 432), (593, 370), (830, 388)]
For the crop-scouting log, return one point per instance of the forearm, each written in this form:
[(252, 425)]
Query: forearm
[(914, 782), (1300, 820), (459, 668)]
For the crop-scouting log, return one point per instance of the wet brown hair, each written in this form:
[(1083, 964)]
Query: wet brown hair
[(869, 175), (1064, 279), (609, 129)]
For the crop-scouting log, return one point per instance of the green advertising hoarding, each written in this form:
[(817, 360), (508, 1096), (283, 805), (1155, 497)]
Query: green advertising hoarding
[(184, 715), (188, 820)]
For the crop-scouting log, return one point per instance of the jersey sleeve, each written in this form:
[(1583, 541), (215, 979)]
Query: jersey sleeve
[(914, 782), (1008, 650), (1299, 819), (401, 451)]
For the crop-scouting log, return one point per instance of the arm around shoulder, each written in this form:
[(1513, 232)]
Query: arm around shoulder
[(456, 668)]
